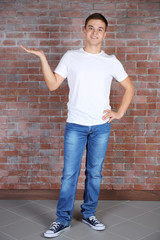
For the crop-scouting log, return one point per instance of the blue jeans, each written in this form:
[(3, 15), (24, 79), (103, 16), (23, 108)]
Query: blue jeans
[(77, 137)]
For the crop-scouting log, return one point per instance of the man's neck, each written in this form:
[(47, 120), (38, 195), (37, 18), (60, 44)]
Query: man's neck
[(92, 49)]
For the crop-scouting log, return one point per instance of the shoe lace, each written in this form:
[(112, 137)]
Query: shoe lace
[(93, 218), (54, 226)]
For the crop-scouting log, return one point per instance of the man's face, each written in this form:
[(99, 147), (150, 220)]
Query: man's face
[(95, 32)]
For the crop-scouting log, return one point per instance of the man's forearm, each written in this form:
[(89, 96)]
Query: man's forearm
[(126, 100), (48, 74)]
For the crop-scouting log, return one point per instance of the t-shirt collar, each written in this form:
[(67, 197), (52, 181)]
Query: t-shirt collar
[(92, 54)]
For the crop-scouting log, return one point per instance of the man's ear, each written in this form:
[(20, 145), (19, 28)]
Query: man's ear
[(84, 29), (105, 34)]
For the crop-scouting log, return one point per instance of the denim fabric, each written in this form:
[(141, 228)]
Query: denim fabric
[(77, 137)]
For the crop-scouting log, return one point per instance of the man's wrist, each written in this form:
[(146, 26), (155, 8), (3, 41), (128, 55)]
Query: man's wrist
[(42, 57), (121, 114)]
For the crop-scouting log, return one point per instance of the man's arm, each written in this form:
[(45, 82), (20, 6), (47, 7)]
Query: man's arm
[(53, 80), (126, 100)]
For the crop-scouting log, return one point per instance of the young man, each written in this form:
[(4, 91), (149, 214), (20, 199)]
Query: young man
[(89, 72)]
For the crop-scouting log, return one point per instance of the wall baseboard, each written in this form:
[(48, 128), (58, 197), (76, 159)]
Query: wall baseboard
[(104, 195)]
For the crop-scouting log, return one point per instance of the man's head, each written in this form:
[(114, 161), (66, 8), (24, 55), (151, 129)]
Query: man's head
[(95, 29), (97, 16)]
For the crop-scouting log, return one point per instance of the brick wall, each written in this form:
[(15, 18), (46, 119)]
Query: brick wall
[(33, 118)]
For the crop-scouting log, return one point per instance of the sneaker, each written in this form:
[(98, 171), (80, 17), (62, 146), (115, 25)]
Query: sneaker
[(55, 230), (94, 223)]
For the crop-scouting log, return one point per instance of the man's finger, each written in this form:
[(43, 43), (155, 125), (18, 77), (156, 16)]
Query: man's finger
[(106, 111)]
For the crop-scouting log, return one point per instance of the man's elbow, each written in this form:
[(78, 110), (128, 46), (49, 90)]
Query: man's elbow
[(52, 88), (132, 90)]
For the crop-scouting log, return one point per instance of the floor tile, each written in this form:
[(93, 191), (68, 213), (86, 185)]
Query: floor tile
[(8, 217), (22, 229), (146, 205), (47, 203), (149, 220), (5, 237), (126, 211), (45, 219), (103, 235), (30, 210), (78, 230), (109, 219), (2, 209), (9, 204), (102, 205), (157, 211), (153, 236), (39, 236), (131, 230)]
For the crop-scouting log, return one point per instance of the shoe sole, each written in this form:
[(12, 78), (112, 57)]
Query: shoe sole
[(50, 235), (93, 227)]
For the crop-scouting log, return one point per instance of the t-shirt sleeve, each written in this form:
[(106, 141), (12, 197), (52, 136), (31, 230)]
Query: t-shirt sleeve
[(62, 67), (118, 70)]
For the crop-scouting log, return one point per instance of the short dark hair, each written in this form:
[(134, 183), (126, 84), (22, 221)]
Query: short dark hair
[(96, 16)]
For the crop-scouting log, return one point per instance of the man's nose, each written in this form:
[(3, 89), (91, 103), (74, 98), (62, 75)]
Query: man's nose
[(94, 31)]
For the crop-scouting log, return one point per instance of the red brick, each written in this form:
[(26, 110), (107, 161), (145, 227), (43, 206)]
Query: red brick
[(137, 43), (70, 28), (149, 5), (48, 28), (148, 35), (38, 35), (40, 6), (49, 43), (71, 43), (147, 64), (134, 13), (131, 57), (126, 5), (154, 71), (154, 99), (147, 92), (154, 57), (146, 106), (73, 13), (139, 28), (144, 187), (55, 5), (154, 42)]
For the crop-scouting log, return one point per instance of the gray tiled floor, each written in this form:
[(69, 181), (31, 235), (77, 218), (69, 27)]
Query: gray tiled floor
[(125, 220)]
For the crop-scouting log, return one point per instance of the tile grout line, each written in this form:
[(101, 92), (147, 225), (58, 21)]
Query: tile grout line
[(25, 218), (43, 205), (5, 208), (141, 224), (8, 235), (10, 210), (142, 208), (146, 236), (125, 220), (32, 235), (118, 235), (134, 216), (109, 207), (67, 237), (17, 222)]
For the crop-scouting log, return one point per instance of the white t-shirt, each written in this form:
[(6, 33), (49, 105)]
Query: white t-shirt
[(89, 78)]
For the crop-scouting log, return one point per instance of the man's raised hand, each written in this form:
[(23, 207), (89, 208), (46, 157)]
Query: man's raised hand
[(35, 51)]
